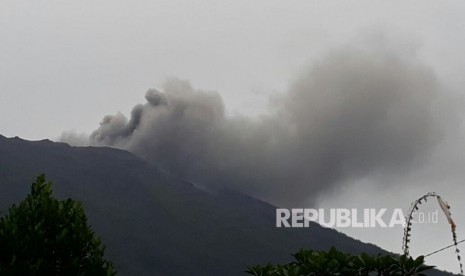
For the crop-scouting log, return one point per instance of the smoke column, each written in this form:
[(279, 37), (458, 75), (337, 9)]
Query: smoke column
[(351, 114)]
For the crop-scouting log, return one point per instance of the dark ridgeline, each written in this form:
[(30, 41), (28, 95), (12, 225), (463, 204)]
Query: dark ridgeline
[(154, 223)]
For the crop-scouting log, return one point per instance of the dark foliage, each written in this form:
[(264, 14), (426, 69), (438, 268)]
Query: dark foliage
[(46, 236), (334, 262)]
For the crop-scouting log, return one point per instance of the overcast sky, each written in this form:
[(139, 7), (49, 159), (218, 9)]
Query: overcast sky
[(85, 59), (65, 64)]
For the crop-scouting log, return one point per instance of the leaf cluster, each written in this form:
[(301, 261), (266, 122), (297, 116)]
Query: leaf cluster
[(46, 236), (334, 262)]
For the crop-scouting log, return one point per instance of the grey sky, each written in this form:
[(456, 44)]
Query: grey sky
[(65, 64), (83, 59)]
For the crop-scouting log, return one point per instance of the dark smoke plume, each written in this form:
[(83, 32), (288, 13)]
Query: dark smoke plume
[(352, 114)]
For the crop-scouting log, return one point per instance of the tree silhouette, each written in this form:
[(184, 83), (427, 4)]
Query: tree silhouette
[(46, 236), (334, 262)]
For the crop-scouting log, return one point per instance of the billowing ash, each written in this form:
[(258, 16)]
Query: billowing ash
[(352, 114)]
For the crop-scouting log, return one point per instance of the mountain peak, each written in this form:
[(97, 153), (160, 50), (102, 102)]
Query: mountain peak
[(139, 210)]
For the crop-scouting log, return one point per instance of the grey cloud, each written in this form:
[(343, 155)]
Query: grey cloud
[(349, 115)]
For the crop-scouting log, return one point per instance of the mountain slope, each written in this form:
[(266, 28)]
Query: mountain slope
[(154, 223)]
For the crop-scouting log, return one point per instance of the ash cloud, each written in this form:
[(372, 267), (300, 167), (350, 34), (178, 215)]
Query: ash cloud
[(352, 114)]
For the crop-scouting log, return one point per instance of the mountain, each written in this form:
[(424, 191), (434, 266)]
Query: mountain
[(154, 223)]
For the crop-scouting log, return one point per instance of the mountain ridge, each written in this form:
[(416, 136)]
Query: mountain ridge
[(154, 223)]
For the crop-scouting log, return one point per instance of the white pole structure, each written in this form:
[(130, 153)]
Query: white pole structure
[(446, 210)]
